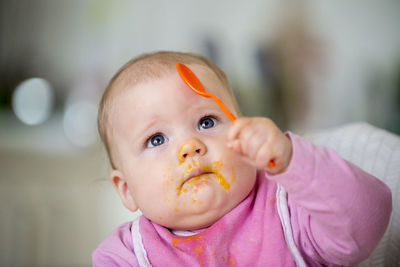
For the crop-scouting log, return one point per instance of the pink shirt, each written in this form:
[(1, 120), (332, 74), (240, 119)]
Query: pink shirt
[(338, 213)]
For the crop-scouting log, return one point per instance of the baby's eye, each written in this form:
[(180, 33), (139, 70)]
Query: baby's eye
[(156, 140), (207, 122)]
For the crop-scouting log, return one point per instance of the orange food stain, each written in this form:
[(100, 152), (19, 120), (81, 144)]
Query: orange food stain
[(198, 246), (175, 241), (193, 237), (198, 249), (193, 179), (185, 239), (231, 261), (222, 181), (181, 159), (214, 168)]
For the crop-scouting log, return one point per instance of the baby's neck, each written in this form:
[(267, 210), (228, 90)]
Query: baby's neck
[(186, 232)]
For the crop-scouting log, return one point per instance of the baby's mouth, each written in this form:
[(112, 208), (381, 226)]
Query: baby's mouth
[(201, 175), (194, 174)]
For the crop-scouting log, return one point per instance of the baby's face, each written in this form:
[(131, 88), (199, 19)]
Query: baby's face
[(172, 159)]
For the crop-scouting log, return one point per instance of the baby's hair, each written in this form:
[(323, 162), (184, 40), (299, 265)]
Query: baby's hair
[(145, 68)]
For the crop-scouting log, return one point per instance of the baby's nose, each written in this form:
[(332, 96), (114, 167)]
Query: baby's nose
[(191, 148)]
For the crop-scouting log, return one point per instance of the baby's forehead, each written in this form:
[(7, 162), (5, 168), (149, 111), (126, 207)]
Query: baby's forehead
[(135, 77), (142, 84), (155, 92)]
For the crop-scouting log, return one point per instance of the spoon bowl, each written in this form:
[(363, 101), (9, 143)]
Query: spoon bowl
[(191, 80)]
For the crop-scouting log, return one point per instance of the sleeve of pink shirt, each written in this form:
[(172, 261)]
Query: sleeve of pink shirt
[(116, 249), (338, 212)]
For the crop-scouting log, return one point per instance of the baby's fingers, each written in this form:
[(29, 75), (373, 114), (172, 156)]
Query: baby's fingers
[(236, 146), (265, 158), (236, 127)]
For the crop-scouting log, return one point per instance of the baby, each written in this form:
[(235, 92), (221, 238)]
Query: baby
[(204, 186)]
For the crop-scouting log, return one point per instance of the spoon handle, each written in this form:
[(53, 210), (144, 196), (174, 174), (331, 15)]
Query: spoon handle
[(224, 108)]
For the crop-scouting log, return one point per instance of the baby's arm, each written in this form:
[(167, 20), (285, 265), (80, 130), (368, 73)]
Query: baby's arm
[(338, 212)]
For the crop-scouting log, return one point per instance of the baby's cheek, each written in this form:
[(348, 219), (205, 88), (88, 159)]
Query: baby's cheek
[(225, 172), (168, 182), (243, 170)]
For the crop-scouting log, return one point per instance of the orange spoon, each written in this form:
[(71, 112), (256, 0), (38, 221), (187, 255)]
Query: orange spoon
[(194, 83)]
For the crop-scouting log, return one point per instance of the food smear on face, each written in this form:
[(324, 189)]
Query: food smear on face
[(181, 157), (221, 179), (208, 172)]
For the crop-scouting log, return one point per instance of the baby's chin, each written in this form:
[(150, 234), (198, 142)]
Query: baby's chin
[(194, 222), (201, 203), (198, 215)]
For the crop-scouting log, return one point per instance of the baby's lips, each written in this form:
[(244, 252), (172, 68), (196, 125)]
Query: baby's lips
[(195, 172)]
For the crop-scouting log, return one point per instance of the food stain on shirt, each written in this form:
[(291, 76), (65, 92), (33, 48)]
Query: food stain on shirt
[(198, 249), (185, 239), (193, 243), (196, 246)]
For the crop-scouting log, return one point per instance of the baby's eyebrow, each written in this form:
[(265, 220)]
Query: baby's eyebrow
[(142, 130)]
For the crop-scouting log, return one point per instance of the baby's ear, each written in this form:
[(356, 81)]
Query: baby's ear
[(120, 184)]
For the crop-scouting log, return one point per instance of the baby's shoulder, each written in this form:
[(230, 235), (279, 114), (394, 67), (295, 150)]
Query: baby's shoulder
[(121, 235), (116, 249)]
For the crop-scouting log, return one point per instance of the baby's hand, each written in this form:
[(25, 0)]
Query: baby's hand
[(260, 141)]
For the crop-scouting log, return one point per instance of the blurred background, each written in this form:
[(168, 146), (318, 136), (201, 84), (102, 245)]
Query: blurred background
[(308, 65)]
